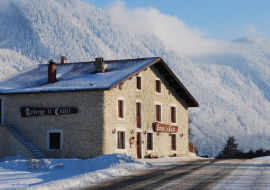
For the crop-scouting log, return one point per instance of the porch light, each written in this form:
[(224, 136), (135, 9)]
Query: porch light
[(114, 130)]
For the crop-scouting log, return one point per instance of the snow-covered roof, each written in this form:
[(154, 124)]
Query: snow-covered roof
[(81, 76)]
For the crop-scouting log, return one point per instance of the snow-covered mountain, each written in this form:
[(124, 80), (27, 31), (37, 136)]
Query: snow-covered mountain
[(232, 89)]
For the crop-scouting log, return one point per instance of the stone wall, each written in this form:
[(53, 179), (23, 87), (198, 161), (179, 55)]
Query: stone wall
[(148, 98), (10, 146), (82, 132)]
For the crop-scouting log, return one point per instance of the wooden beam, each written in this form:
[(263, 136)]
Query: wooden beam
[(169, 79), (180, 91), (164, 72)]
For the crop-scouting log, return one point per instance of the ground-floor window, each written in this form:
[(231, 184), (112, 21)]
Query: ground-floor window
[(149, 141), (121, 140), (173, 139), (54, 138)]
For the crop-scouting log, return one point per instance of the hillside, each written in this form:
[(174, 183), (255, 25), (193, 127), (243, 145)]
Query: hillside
[(232, 88)]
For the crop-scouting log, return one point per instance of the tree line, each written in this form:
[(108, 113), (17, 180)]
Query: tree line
[(230, 151)]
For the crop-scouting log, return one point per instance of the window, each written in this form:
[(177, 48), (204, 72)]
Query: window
[(173, 138), (158, 86), (138, 114), (54, 138), (158, 113), (149, 141), (138, 83), (121, 140), (120, 108), (173, 114)]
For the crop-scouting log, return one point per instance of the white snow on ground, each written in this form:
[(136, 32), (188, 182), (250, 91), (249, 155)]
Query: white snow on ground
[(251, 174), (21, 173)]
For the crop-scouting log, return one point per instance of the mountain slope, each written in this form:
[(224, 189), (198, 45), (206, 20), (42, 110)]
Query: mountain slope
[(232, 89)]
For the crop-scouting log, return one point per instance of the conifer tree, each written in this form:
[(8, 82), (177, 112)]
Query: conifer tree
[(230, 149)]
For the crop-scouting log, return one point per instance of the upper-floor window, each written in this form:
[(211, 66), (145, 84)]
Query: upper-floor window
[(138, 114), (158, 113), (158, 86), (173, 114), (138, 82), (120, 108)]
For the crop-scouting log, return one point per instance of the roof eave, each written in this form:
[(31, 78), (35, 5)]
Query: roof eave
[(53, 91)]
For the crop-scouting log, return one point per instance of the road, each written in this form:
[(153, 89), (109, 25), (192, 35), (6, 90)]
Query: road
[(198, 174)]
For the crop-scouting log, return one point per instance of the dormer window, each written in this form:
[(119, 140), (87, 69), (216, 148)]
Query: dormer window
[(158, 86), (138, 83)]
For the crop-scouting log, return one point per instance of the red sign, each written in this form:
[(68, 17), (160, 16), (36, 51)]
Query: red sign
[(159, 127)]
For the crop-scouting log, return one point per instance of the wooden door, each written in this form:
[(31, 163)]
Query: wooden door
[(138, 145)]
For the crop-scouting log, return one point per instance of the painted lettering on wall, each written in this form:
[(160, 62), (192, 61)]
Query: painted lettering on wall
[(30, 111), (159, 127)]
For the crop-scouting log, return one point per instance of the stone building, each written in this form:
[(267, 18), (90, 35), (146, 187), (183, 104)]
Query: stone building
[(86, 109)]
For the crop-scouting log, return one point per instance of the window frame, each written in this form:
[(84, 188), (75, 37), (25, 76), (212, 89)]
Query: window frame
[(139, 83), (173, 114), (158, 86), (173, 142), (120, 109), (138, 114), (122, 140), (48, 139), (149, 142), (158, 113)]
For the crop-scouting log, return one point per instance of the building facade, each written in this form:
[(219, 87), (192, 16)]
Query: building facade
[(138, 107)]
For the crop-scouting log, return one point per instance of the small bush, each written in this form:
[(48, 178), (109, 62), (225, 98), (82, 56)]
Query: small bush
[(36, 164)]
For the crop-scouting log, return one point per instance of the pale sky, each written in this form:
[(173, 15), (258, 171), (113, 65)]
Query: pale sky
[(214, 19)]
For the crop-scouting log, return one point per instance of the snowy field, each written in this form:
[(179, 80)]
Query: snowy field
[(20, 173)]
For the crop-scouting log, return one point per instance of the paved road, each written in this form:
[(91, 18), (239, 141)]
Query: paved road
[(198, 174)]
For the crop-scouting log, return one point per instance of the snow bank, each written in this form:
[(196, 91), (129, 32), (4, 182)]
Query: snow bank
[(17, 172)]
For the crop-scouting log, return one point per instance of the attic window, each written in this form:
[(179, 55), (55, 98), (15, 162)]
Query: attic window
[(158, 86), (120, 108), (138, 83)]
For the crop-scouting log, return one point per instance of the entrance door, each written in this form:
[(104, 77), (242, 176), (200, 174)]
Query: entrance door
[(138, 145)]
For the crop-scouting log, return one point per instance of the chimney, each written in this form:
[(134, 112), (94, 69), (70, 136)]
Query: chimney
[(63, 59), (51, 71), (99, 65)]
